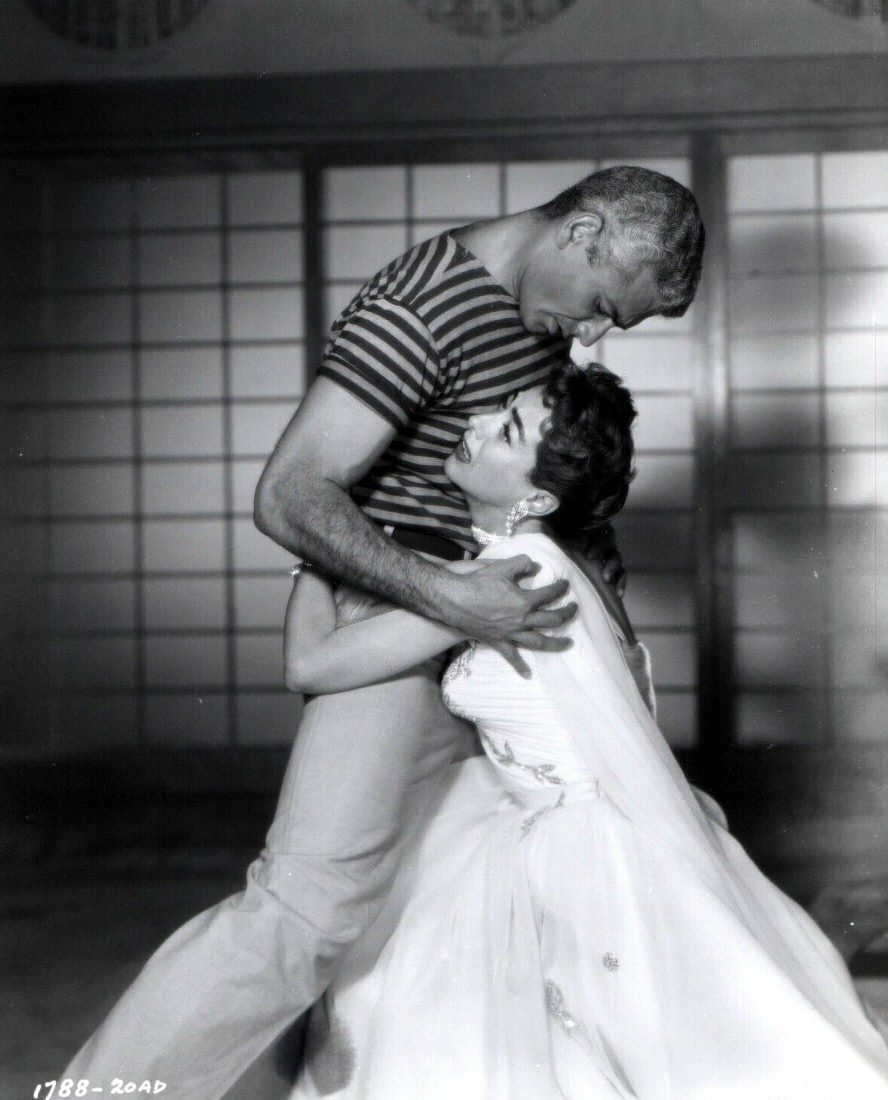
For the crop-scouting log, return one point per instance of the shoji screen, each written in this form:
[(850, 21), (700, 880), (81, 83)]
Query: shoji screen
[(155, 347), (808, 445), (372, 214), (155, 350)]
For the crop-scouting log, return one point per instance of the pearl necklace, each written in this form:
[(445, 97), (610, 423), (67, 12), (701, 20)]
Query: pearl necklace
[(486, 538), (516, 514)]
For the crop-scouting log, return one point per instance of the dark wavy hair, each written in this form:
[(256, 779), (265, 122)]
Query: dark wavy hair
[(585, 456)]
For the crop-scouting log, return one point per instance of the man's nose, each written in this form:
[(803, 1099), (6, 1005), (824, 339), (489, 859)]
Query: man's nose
[(590, 332)]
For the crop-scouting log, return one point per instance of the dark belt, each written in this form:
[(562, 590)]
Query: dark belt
[(425, 542)]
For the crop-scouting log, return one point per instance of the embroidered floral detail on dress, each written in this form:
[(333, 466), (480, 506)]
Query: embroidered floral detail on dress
[(610, 961), (542, 773), (528, 823), (555, 1005), (462, 666)]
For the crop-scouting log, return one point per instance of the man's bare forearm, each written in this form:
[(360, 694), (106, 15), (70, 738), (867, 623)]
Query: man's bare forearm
[(320, 522)]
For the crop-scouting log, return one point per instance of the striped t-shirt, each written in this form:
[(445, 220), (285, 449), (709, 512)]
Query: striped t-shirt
[(426, 343)]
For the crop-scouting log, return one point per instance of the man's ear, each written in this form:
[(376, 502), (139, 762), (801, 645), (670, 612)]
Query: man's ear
[(583, 229), (541, 503)]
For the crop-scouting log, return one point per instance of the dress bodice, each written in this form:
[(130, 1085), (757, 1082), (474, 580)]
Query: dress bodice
[(519, 727)]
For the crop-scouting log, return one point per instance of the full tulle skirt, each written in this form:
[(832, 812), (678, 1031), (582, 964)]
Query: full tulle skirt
[(539, 945)]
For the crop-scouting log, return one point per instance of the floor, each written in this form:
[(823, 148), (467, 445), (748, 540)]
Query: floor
[(68, 948)]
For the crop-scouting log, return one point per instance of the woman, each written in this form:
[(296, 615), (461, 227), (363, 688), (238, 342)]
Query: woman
[(574, 921)]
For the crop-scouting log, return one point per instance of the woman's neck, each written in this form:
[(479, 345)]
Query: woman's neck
[(494, 520)]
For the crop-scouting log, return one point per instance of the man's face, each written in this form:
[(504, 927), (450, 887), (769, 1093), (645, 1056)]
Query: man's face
[(563, 292)]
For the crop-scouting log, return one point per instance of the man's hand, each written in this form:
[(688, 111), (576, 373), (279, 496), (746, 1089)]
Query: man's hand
[(596, 573), (489, 604), (600, 546)]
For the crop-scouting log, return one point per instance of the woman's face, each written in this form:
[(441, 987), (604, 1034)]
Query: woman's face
[(493, 460)]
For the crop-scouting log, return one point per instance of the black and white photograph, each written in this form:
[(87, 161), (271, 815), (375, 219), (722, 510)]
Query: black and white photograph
[(444, 549)]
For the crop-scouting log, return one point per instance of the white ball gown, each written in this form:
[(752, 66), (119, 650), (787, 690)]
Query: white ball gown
[(575, 922)]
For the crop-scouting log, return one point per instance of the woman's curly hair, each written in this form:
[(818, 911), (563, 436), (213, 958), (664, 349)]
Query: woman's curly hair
[(585, 457)]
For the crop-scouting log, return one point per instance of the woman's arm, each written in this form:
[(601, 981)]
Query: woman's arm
[(319, 659)]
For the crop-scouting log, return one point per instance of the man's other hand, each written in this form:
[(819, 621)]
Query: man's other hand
[(600, 546), (605, 573)]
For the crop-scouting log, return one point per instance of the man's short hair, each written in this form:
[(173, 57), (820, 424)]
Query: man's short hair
[(657, 216)]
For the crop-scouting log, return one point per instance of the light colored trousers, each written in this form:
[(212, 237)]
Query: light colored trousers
[(361, 778)]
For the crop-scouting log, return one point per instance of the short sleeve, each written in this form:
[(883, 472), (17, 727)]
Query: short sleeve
[(384, 355), (550, 559)]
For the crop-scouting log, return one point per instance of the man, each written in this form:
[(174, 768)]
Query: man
[(356, 486)]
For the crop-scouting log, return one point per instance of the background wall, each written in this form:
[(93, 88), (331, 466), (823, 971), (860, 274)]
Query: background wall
[(175, 243), (283, 36)]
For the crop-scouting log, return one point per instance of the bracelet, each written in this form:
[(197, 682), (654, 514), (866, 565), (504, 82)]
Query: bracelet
[(298, 566)]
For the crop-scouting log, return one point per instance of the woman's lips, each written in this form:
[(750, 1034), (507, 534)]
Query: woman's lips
[(462, 452)]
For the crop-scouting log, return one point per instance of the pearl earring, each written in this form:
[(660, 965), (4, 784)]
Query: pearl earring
[(515, 516)]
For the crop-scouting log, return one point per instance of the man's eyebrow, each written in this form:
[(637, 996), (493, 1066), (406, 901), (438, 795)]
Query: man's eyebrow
[(518, 423)]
